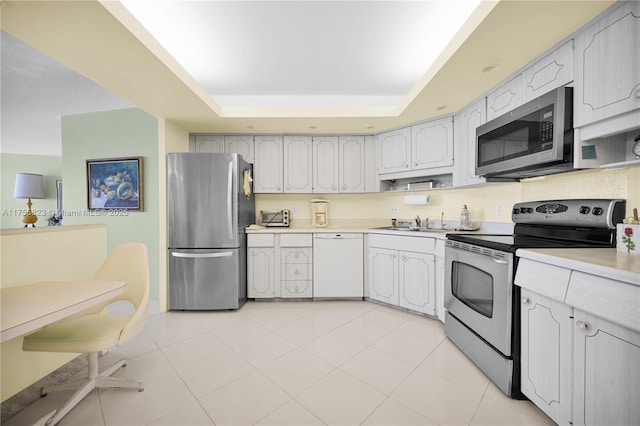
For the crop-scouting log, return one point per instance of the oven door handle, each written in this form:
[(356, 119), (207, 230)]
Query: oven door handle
[(504, 262)]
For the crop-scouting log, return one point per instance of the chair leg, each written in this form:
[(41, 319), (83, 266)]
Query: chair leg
[(93, 381)]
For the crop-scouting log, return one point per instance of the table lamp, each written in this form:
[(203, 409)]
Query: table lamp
[(29, 185)]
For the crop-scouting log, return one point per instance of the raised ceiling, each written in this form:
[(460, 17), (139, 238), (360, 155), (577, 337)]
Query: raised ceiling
[(343, 91)]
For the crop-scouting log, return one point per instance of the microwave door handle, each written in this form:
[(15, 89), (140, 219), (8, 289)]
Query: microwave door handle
[(230, 201)]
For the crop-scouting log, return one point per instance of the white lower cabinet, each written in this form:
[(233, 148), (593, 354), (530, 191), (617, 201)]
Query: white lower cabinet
[(261, 266), (296, 277), (416, 281), (606, 372), (546, 328), (383, 275), (402, 272), (279, 265)]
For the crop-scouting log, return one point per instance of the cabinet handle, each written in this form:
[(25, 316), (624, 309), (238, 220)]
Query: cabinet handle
[(415, 164), (288, 187), (278, 188), (393, 256), (406, 165), (403, 257), (638, 94), (583, 326), (526, 300), (296, 272), (297, 256)]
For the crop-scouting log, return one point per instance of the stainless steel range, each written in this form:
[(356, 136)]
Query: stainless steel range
[(481, 317)]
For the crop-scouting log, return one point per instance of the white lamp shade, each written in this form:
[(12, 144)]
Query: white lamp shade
[(28, 185)]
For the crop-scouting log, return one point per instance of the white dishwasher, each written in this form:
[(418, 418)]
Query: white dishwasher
[(338, 263)]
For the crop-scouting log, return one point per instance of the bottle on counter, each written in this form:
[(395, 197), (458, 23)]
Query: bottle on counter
[(465, 222)]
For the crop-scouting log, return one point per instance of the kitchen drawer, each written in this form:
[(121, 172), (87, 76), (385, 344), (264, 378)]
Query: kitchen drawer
[(296, 240), (612, 300), (296, 272), (297, 288), (260, 240), (548, 280), (299, 255), (417, 244)]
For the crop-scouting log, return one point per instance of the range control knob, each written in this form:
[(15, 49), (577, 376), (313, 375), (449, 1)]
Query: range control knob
[(585, 210), (516, 211), (523, 209), (529, 210), (597, 211)]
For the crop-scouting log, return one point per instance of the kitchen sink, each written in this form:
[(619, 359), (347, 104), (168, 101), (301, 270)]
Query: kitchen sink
[(414, 229)]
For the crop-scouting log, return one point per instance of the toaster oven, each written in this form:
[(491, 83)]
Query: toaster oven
[(275, 218)]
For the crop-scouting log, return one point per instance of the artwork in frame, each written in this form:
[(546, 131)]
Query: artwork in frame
[(115, 183)]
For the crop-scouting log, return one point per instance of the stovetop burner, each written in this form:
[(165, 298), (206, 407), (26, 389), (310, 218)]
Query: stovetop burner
[(555, 224)]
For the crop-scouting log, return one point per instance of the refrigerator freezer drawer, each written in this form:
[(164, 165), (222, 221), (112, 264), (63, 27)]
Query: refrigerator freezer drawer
[(201, 279)]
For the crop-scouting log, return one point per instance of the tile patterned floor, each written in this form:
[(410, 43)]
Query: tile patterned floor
[(295, 363)]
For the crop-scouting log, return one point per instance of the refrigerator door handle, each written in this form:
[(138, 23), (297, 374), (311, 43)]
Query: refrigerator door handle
[(230, 201), (203, 255)]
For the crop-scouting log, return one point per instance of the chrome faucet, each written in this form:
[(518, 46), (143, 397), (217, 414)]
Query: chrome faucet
[(442, 220), (418, 221)]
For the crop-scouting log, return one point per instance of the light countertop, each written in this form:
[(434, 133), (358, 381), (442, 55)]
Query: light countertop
[(604, 262)]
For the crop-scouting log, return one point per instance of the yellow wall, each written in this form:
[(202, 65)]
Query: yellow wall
[(32, 255)]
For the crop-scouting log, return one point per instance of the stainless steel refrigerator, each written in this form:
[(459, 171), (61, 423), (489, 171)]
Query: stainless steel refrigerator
[(209, 206)]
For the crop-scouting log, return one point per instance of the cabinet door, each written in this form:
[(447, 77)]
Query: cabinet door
[(464, 169), (207, 143), (383, 275), (606, 372), (607, 81), (552, 71), (504, 98), (394, 151), (325, 164), (298, 164), (432, 144), (268, 168), (416, 281), (371, 179), (546, 355), (240, 144), (261, 273), (351, 163)]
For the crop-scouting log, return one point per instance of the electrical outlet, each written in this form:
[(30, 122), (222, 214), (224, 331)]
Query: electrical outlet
[(499, 209), (394, 209), (294, 210)]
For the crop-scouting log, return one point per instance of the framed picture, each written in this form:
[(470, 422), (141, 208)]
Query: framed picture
[(115, 183)]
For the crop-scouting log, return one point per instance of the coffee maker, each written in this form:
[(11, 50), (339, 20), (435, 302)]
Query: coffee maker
[(319, 213)]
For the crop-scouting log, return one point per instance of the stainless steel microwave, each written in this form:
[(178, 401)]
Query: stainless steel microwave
[(275, 218), (532, 140)]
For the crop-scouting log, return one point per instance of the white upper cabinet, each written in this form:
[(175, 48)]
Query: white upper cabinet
[(505, 98), (240, 144), (394, 151), (552, 71), (607, 81), (206, 143), (419, 150), (325, 164), (268, 168), (351, 159), (298, 154), (432, 144), (464, 170)]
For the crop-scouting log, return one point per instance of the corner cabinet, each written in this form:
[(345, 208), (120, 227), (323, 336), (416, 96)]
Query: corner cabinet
[(401, 271), (545, 361), (607, 82), (394, 151)]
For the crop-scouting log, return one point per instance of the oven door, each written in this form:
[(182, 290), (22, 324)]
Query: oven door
[(478, 292)]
